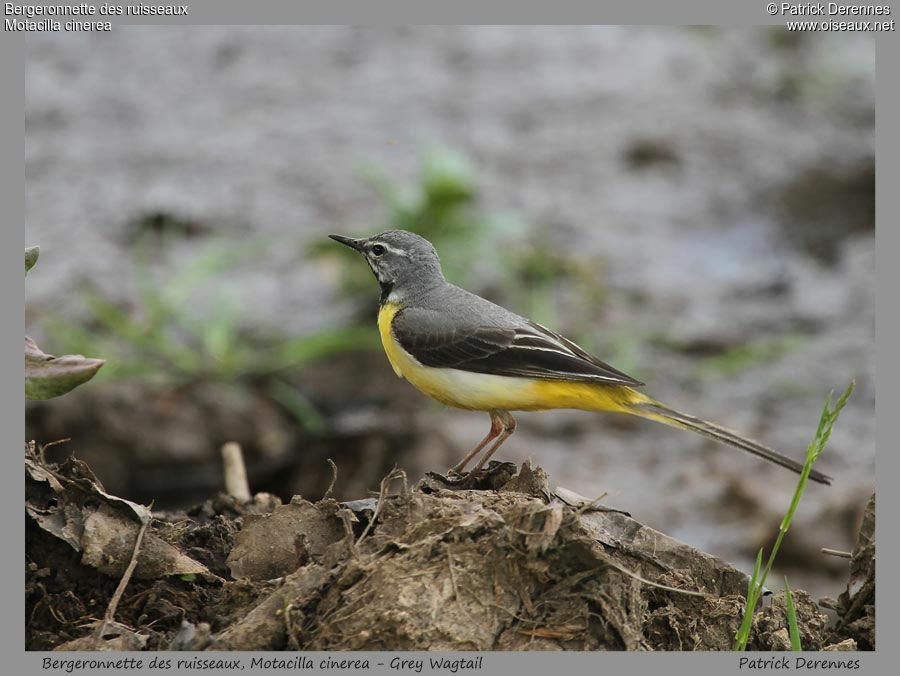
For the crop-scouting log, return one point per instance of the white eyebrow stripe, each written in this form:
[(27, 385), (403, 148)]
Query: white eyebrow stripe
[(393, 250)]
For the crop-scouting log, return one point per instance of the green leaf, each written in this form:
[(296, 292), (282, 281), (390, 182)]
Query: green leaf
[(792, 618), (31, 256), (47, 376)]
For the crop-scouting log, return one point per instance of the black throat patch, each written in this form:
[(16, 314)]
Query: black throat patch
[(386, 288)]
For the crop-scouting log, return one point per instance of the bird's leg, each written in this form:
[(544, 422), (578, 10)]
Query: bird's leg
[(496, 428), (509, 426)]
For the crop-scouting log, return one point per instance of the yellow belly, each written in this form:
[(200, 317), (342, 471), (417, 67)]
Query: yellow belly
[(483, 391)]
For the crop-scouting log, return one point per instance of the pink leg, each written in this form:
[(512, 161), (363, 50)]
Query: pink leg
[(509, 426), (496, 428)]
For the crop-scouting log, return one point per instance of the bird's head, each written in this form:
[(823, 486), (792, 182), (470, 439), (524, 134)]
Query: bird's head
[(403, 262)]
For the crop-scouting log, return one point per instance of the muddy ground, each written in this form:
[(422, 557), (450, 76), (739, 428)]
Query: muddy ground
[(506, 564)]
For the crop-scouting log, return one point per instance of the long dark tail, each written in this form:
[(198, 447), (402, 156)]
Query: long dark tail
[(653, 410)]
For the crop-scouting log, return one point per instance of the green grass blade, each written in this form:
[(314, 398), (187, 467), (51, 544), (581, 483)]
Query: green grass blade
[(792, 618), (297, 405), (823, 432), (753, 593)]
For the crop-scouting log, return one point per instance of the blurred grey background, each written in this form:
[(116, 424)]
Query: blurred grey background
[(694, 205)]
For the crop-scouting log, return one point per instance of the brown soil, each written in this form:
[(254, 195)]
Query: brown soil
[(504, 565)]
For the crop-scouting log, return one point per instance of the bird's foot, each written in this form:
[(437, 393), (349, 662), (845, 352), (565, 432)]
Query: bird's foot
[(491, 477), (450, 480)]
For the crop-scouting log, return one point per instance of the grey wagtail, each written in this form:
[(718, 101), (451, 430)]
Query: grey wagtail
[(469, 353)]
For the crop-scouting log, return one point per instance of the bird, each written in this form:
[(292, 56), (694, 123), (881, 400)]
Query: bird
[(469, 353)]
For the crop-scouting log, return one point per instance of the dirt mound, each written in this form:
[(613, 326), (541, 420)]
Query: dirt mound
[(504, 565), (855, 606)]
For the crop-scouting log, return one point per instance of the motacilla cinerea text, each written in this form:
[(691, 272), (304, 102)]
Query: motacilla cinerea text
[(469, 353)]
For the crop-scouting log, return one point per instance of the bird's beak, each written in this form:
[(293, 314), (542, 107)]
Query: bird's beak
[(349, 241)]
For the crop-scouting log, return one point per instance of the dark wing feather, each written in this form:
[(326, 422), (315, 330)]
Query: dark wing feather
[(528, 350), (584, 355)]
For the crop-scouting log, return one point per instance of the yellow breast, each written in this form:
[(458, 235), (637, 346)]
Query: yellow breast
[(385, 317), (452, 387)]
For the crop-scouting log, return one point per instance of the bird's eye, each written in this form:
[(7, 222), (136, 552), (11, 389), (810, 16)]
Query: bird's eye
[(378, 250)]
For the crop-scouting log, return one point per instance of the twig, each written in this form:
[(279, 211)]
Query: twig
[(235, 472), (582, 504), (836, 552), (333, 478), (382, 493), (588, 506), (622, 569), (345, 516), (126, 576), (344, 618), (43, 448)]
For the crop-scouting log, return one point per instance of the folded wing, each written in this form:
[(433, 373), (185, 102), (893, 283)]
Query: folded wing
[(526, 350)]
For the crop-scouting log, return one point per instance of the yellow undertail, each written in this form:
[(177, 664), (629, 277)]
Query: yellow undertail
[(622, 399)]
